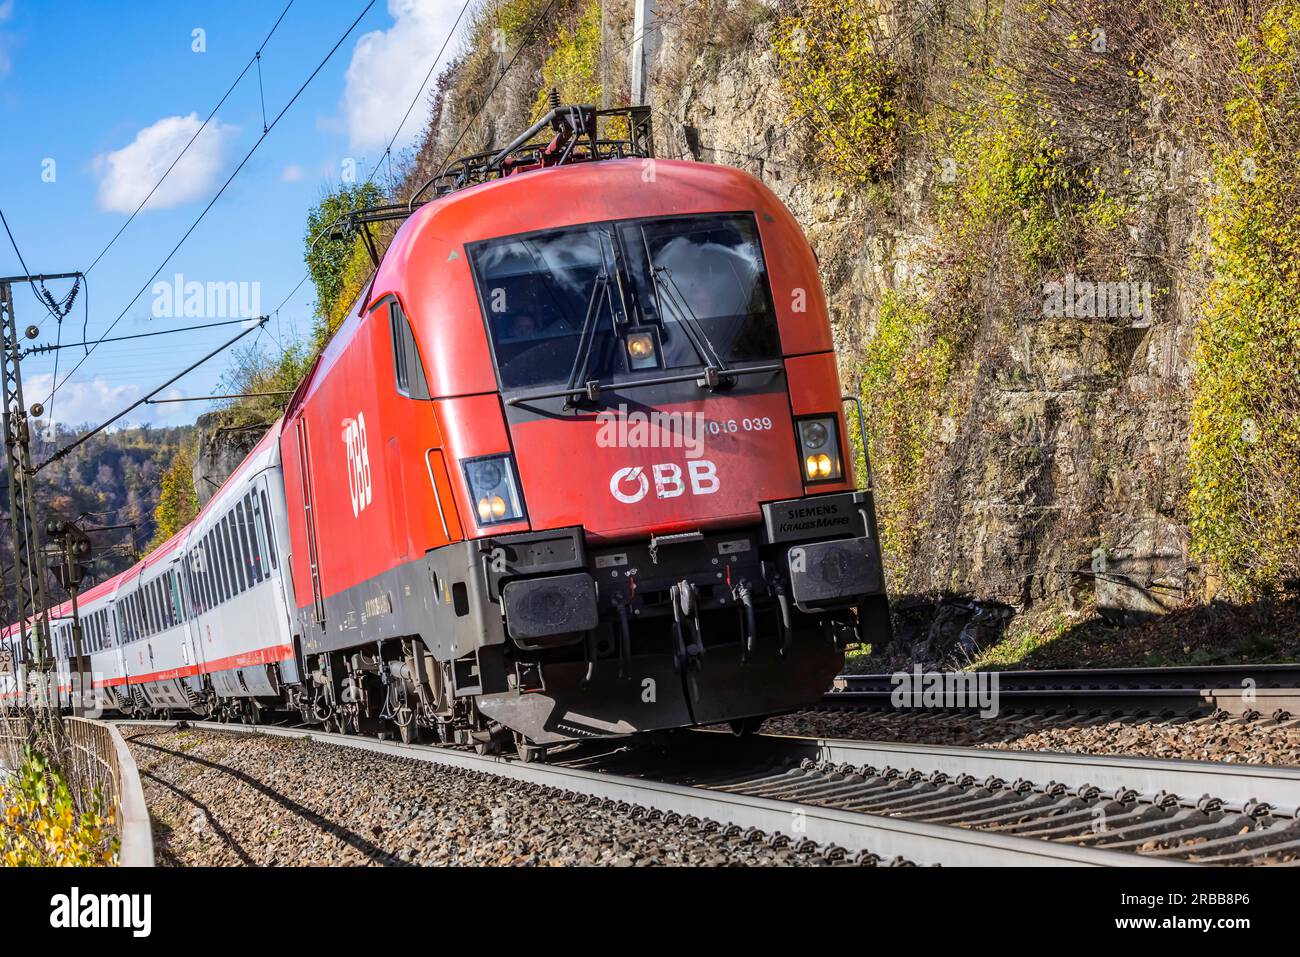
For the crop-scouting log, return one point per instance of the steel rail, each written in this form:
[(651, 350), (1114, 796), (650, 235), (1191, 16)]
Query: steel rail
[(1240, 787), (1236, 689), (888, 838)]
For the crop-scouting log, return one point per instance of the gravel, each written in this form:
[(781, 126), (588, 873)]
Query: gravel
[(1264, 741), (227, 799)]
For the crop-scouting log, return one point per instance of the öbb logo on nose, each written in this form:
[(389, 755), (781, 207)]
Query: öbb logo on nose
[(630, 485)]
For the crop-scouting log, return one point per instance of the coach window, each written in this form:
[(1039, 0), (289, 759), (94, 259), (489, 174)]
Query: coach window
[(212, 569), (232, 550), (195, 563), (201, 577), (209, 573), (232, 553), (257, 570), (266, 520), (218, 567), (223, 569), (407, 369), (257, 538), (165, 599), (174, 581), (201, 600), (199, 596), (250, 563), (232, 563)]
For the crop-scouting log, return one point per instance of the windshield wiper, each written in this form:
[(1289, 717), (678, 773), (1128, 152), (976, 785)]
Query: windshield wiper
[(582, 359), (592, 391), (716, 372)]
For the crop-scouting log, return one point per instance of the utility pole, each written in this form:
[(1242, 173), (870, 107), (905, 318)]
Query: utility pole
[(73, 545), (29, 570), (645, 48), (604, 62)]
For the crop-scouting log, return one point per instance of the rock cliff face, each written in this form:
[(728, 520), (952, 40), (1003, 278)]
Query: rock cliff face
[(220, 450), (1060, 473)]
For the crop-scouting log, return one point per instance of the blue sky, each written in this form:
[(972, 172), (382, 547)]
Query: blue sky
[(98, 98)]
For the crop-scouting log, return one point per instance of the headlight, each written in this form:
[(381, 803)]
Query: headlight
[(641, 350), (492, 486), (819, 445)]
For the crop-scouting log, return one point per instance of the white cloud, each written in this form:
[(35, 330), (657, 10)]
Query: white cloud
[(78, 403), (91, 402), (6, 11), (129, 173), (387, 68), (291, 173)]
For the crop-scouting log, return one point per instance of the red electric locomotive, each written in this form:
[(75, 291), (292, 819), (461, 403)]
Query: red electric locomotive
[(576, 463)]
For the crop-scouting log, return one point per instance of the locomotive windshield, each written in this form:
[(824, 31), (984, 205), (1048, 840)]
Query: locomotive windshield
[(619, 301)]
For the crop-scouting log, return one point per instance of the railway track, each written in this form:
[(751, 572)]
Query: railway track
[(897, 804), (1243, 690)]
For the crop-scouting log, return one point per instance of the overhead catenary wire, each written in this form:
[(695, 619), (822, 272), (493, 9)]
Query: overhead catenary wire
[(46, 300), (441, 166), (213, 398), (220, 192), (37, 350), (256, 58), (422, 89), (141, 401)]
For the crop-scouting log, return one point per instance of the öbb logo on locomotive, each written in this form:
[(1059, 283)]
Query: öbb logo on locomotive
[(518, 579), (668, 481), (359, 484)]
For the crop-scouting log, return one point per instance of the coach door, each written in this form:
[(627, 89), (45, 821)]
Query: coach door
[(309, 521)]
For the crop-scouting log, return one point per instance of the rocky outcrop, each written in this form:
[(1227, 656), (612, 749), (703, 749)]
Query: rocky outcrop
[(221, 448)]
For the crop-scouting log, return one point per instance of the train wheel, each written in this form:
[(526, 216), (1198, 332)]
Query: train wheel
[(408, 732), (744, 727), (530, 753)]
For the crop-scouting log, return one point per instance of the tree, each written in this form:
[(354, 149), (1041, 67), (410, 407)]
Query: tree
[(177, 502), (328, 259)]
